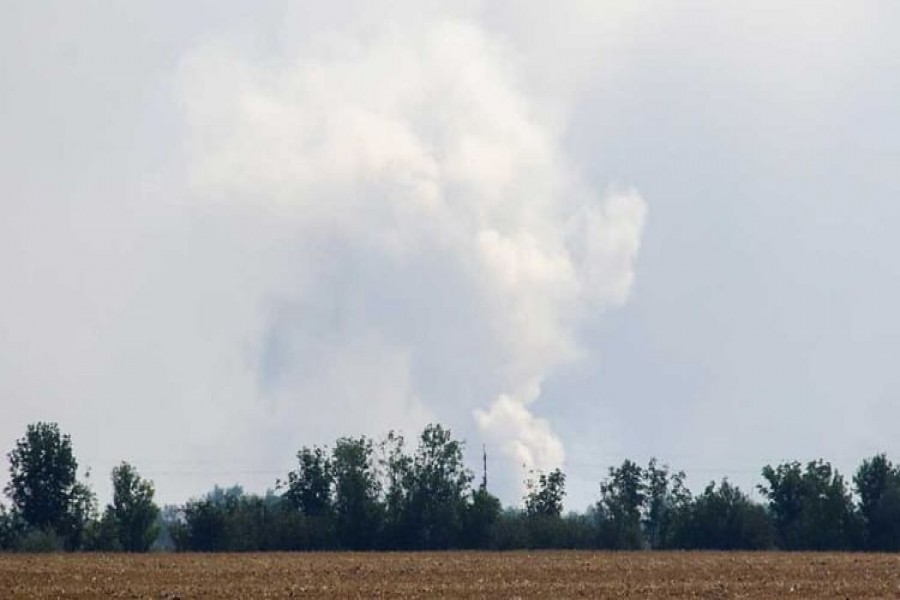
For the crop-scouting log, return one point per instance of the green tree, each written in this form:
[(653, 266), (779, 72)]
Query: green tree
[(213, 523), (545, 494), (201, 527), (812, 508), (357, 490), (665, 495), (102, 535), (676, 511), (132, 509), (481, 517), (877, 482), (10, 529), (309, 487), (429, 490), (725, 519), (397, 482), (785, 493), (83, 512), (622, 497), (43, 485), (543, 510), (230, 520)]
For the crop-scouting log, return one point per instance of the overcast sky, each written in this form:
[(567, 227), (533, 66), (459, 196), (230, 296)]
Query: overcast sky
[(574, 235)]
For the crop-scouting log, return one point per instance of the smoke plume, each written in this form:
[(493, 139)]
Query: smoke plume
[(436, 250)]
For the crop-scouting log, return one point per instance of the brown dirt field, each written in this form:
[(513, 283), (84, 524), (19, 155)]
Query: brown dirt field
[(453, 574)]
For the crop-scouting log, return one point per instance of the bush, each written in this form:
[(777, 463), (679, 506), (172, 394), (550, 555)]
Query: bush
[(509, 531), (102, 535), (41, 541), (10, 530)]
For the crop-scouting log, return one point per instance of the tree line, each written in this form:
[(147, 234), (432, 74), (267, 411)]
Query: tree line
[(387, 495)]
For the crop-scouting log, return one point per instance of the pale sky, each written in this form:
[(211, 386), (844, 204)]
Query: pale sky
[(573, 234)]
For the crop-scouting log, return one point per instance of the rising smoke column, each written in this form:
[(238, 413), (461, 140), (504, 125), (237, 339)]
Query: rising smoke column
[(440, 251)]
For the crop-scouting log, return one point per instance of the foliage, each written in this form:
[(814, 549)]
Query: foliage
[(102, 535), (132, 513), (309, 487), (666, 499), (812, 508), (622, 497), (481, 517), (545, 495), (36, 540), (877, 482), (723, 519), (397, 476), (364, 495), (437, 491), (43, 486), (357, 511), (230, 520), (11, 527)]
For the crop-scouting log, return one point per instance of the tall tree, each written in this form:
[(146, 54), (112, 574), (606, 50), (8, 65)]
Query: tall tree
[(877, 482), (132, 509), (663, 492), (9, 529), (785, 493), (545, 494), (358, 512), (812, 507), (677, 510), (543, 509), (724, 519), (396, 470), (43, 486), (481, 516), (438, 490), (622, 499), (309, 487)]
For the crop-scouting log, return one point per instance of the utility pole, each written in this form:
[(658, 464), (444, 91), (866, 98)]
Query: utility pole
[(484, 465)]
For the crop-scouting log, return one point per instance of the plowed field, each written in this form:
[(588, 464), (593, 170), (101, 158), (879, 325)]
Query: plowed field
[(452, 574)]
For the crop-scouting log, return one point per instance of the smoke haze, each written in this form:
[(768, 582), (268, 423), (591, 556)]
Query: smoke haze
[(575, 233), (440, 249)]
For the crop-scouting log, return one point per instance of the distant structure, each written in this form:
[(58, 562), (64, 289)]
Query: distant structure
[(484, 467)]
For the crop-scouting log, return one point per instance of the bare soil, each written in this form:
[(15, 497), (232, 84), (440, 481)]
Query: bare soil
[(453, 575)]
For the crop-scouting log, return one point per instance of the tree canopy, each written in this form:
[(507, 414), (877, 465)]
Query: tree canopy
[(43, 484), (364, 495), (132, 510)]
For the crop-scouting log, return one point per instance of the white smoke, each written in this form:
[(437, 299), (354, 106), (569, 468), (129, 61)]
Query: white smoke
[(440, 250)]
